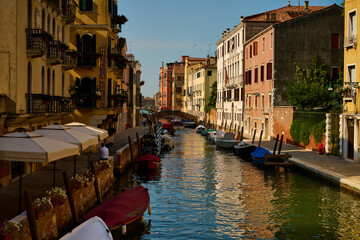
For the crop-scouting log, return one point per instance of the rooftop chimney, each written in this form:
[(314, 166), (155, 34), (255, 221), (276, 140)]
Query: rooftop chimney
[(306, 4), (241, 18), (289, 3), (227, 30)]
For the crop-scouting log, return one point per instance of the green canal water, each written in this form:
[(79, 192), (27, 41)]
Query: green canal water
[(203, 192)]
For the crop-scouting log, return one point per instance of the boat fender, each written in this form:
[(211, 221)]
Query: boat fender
[(123, 229), (143, 218), (149, 209)]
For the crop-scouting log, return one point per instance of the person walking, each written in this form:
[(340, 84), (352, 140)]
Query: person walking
[(144, 121)]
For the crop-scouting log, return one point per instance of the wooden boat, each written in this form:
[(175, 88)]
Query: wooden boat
[(177, 124), (227, 141), (206, 132), (148, 162), (264, 157), (244, 149), (189, 124), (212, 136), (200, 128), (93, 228), (123, 209)]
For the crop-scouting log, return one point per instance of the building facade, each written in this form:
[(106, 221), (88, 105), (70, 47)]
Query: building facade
[(165, 86), (349, 130), (178, 85)]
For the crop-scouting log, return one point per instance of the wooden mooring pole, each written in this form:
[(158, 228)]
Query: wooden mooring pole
[(131, 152), (30, 212), (70, 198)]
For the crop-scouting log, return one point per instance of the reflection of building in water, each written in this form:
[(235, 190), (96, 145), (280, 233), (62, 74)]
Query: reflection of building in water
[(256, 199)]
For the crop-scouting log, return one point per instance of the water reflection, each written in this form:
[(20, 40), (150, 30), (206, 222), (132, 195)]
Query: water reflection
[(203, 192)]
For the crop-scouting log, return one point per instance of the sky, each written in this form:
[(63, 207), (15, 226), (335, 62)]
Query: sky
[(164, 30)]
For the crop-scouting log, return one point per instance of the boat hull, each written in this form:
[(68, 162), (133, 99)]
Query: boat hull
[(226, 143), (245, 151)]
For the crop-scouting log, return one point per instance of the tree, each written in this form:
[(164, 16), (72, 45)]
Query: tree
[(211, 102), (310, 88)]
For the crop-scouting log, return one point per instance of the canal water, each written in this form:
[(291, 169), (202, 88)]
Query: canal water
[(203, 192)]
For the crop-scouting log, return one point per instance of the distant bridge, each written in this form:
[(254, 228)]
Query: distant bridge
[(167, 113)]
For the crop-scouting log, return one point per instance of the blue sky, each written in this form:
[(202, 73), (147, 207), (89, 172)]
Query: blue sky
[(164, 30)]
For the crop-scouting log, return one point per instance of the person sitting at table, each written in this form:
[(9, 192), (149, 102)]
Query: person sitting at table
[(104, 152)]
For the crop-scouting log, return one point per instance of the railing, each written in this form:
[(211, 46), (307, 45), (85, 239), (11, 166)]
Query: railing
[(53, 53), (87, 60), (350, 41), (68, 11), (349, 94), (69, 60), (35, 43), (43, 103)]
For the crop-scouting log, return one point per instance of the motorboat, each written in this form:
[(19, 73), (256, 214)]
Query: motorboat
[(244, 150), (177, 124), (123, 209), (200, 128), (227, 141), (189, 124), (93, 228)]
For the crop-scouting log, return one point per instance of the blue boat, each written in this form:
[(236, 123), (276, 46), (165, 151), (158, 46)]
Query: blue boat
[(258, 155)]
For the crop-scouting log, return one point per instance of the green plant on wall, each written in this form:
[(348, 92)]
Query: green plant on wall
[(211, 103), (304, 127)]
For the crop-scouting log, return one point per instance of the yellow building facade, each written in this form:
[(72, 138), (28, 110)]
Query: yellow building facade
[(350, 118), (35, 60)]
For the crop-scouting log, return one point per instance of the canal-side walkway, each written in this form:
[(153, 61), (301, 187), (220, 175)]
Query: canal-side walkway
[(334, 169), (42, 180)]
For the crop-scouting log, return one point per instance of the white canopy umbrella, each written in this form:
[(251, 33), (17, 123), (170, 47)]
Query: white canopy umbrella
[(98, 132), (66, 134), (32, 147)]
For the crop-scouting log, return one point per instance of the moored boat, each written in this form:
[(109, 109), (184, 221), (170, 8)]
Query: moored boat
[(227, 141), (200, 128), (123, 209), (148, 162), (190, 124), (177, 124), (244, 150), (93, 228)]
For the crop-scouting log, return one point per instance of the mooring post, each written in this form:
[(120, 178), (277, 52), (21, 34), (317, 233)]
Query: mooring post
[(242, 133), (276, 141), (139, 144), (131, 152), (70, 198), (261, 133), (253, 140), (281, 140), (30, 212), (96, 183)]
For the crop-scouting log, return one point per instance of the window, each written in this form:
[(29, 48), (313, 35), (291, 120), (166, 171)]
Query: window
[(269, 71), (164, 75), (255, 75), (198, 75), (86, 5), (53, 82), (250, 51), (228, 94), (256, 101), (262, 73), (351, 74), (29, 78), (263, 44), (246, 53), (271, 40), (255, 48), (334, 73), (352, 23), (262, 101), (270, 101), (62, 84), (43, 80), (335, 41), (209, 73)]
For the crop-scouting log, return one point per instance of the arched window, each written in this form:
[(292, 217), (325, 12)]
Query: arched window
[(29, 12), (62, 84), (86, 45), (29, 78), (43, 19), (53, 28), (53, 82), (86, 5), (48, 81), (48, 23), (43, 80)]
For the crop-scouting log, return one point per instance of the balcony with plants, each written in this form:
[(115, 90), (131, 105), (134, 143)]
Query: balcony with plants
[(116, 23), (69, 59), (53, 52), (44, 103)]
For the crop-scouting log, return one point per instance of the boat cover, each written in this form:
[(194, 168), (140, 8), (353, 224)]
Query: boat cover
[(259, 152), (123, 208), (148, 157)]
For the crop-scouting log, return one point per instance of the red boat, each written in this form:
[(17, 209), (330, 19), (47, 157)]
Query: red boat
[(148, 161), (123, 209)]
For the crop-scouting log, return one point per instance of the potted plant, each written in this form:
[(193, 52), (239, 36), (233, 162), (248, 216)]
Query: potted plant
[(41, 206), (8, 228), (57, 196)]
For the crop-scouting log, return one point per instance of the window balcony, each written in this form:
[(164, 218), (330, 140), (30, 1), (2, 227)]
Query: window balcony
[(69, 59), (68, 11), (87, 60), (350, 41), (43, 103), (53, 53), (36, 42)]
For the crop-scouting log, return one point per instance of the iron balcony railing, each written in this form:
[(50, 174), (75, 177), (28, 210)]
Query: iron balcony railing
[(53, 52), (43, 103), (68, 11), (69, 59), (35, 42)]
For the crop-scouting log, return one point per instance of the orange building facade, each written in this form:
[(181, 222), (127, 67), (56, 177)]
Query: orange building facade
[(165, 86)]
